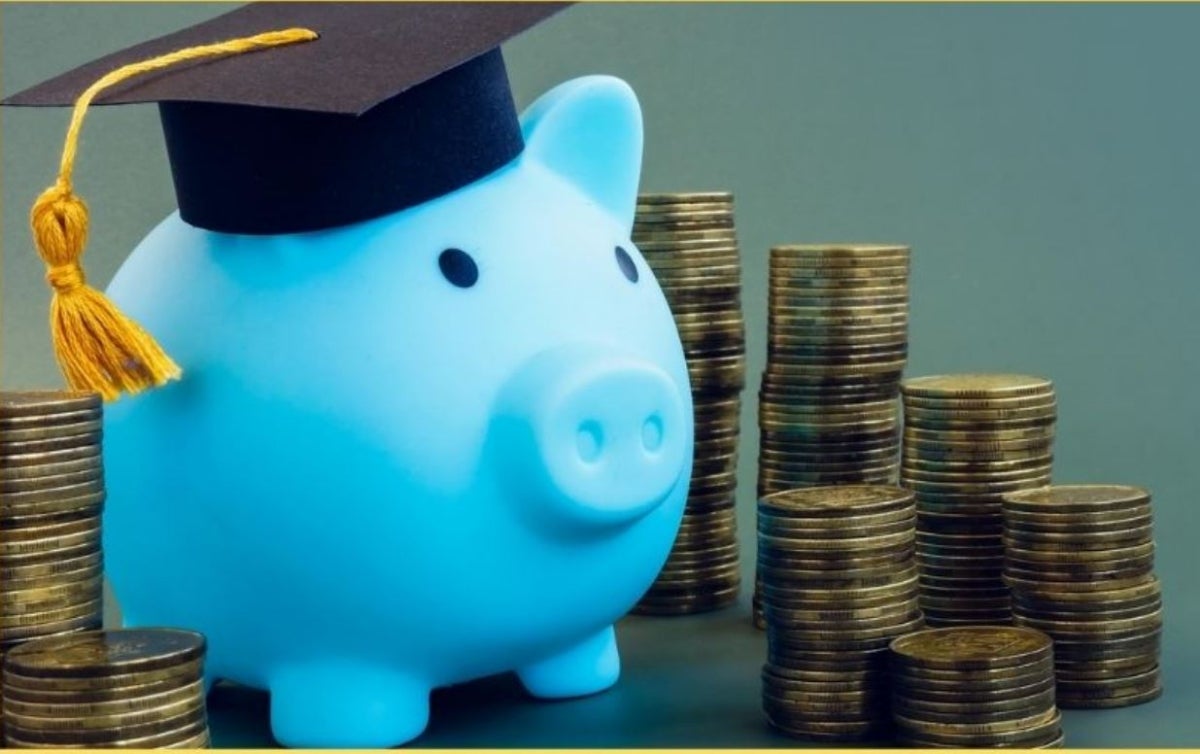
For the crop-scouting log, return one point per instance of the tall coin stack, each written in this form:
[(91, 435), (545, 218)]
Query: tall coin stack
[(690, 243), (975, 686), (837, 338), (137, 688), (968, 439), (839, 582), (1080, 562), (51, 495)]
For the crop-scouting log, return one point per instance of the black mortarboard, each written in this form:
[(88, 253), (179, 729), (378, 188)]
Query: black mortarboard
[(393, 105)]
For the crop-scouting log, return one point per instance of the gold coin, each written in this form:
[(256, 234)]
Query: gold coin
[(1085, 631), (978, 403), (1017, 680), (16, 600), (51, 471), (1121, 667), (13, 501), (928, 417), (968, 710), (968, 647), (23, 403), (692, 197), (106, 653), (48, 458), (1037, 720), (18, 553), (172, 713), (139, 736), (1079, 498), (27, 624), (1068, 700), (1052, 527), (664, 223), (976, 386), (1090, 593), (52, 482), (1064, 555), (852, 520), (838, 274), (131, 702), (923, 486), (827, 253), (836, 286), (90, 429), (980, 438), (650, 210), (837, 501), (931, 452)]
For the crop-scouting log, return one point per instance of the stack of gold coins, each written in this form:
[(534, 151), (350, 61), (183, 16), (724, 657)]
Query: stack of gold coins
[(137, 688), (839, 582), (975, 686), (51, 495), (837, 337), (1080, 562), (968, 439), (690, 243)]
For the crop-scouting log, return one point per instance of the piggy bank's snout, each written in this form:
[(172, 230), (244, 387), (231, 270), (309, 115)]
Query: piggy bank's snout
[(604, 437)]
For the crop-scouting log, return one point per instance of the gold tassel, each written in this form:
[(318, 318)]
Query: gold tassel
[(98, 348)]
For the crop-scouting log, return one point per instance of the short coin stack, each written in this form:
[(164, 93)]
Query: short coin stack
[(136, 688), (975, 686), (690, 243), (1080, 562), (51, 495), (838, 584), (968, 439)]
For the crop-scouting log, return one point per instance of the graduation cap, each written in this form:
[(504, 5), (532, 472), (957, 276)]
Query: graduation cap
[(391, 105), (337, 113)]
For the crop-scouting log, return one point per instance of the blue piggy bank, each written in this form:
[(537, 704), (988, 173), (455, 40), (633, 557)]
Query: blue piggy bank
[(445, 443)]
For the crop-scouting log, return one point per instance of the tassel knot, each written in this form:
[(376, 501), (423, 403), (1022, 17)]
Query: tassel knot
[(65, 278), (59, 220)]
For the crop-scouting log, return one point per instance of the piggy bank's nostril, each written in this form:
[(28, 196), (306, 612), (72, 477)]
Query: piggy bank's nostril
[(590, 439), (652, 433)]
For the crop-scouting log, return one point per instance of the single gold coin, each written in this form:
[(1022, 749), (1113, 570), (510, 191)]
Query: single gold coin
[(23, 403), (976, 386), (1078, 498), (106, 653), (972, 647), (649, 199), (836, 501), (829, 253)]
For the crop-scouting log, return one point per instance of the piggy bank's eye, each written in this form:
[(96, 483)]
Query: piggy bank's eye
[(458, 267), (625, 262)]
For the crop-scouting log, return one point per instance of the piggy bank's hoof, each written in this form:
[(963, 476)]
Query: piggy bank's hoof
[(589, 667), (339, 706)]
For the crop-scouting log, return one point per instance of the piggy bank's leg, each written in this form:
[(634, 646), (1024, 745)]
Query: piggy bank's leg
[(590, 666), (342, 705)]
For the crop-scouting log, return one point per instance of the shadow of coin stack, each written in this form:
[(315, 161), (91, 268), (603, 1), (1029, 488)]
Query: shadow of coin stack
[(975, 687), (1080, 561), (690, 243), (839, 583), (837, 340), (51, 496), (968, 439), (126, 689)]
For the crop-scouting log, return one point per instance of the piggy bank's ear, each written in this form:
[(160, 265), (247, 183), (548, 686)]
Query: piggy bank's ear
[(589, 130)]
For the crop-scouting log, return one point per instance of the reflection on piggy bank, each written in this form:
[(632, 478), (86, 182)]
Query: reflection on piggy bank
[(445, 443)]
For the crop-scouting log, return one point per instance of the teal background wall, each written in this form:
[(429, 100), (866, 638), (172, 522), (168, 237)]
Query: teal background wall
[(1042, 160)]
